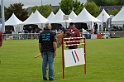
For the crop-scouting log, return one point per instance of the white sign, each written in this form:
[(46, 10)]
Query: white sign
[(74, 57), (65, 17)]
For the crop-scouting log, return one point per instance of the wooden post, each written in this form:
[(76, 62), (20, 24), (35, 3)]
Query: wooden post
[(63, 65), (85, 55)]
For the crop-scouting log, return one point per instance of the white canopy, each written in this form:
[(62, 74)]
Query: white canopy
[(72, 15), (58, 18), (35, 18), (85, 17), (14, 21), (119, 18), (51, 15), (103, 16)]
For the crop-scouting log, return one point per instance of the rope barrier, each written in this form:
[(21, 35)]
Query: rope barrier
[(73, 38), (74, 44)]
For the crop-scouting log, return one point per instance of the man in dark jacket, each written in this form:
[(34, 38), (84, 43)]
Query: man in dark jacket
[(47, 47)]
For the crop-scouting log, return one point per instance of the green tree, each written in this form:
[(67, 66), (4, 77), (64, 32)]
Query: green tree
[(17, 9), (34, 8), (98, 2), (68, 5), (45, 10), (113, 12), (92, 8), (108, 2), (111, 2), (56, 10), (79, 9), (120, 2)]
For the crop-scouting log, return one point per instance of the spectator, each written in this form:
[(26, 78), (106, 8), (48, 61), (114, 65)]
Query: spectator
[(47, 47), (73, 32), (95, 28)]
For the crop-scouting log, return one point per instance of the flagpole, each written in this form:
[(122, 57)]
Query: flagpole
[(2, 15), (41, 3)]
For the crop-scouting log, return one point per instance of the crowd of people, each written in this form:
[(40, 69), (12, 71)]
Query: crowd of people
[(118, 28)]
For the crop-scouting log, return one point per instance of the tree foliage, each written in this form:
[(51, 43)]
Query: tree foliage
[(45, 10), (108, 2), (56, 10), (17, 9), (120, 2), (68, 5), (78, 10), (113, 12), (77, 7), (92, 8)]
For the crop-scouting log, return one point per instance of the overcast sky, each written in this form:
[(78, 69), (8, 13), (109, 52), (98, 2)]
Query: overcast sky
[(34, 2)]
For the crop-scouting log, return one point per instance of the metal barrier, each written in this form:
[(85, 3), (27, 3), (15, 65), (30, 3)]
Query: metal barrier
[(21, 36)]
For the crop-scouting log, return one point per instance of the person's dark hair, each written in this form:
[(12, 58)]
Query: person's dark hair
[(72, 24)]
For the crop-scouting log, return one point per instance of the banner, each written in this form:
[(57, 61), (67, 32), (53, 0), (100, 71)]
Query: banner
[(65, 17), (74, 57)]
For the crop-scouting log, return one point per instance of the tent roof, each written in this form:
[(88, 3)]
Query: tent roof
[(58, 18), (51, 15), (13, 20), (35, 18), (72, 15), (85, 17), (119, 17), (103, 16)]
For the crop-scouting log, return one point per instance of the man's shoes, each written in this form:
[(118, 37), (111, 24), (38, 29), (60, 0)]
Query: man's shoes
[(44, 78), (51, 79)]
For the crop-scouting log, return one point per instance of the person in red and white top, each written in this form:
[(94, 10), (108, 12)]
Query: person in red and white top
[(73, 32)]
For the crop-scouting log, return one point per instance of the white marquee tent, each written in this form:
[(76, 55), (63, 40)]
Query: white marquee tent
[(119, 18), (58, 18), (72, 15), (51, 15), (13, 21), (86, 17), (35, 18), (103, 16)]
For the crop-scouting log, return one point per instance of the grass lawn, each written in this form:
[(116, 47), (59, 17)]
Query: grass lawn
[(105, 62)]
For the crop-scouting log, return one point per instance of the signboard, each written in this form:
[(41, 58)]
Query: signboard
[(65, 17), (74, 57)]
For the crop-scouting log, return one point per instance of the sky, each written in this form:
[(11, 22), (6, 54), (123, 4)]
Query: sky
[(28, 3)]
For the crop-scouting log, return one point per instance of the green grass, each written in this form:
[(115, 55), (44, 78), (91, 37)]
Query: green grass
[(105, 62)]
